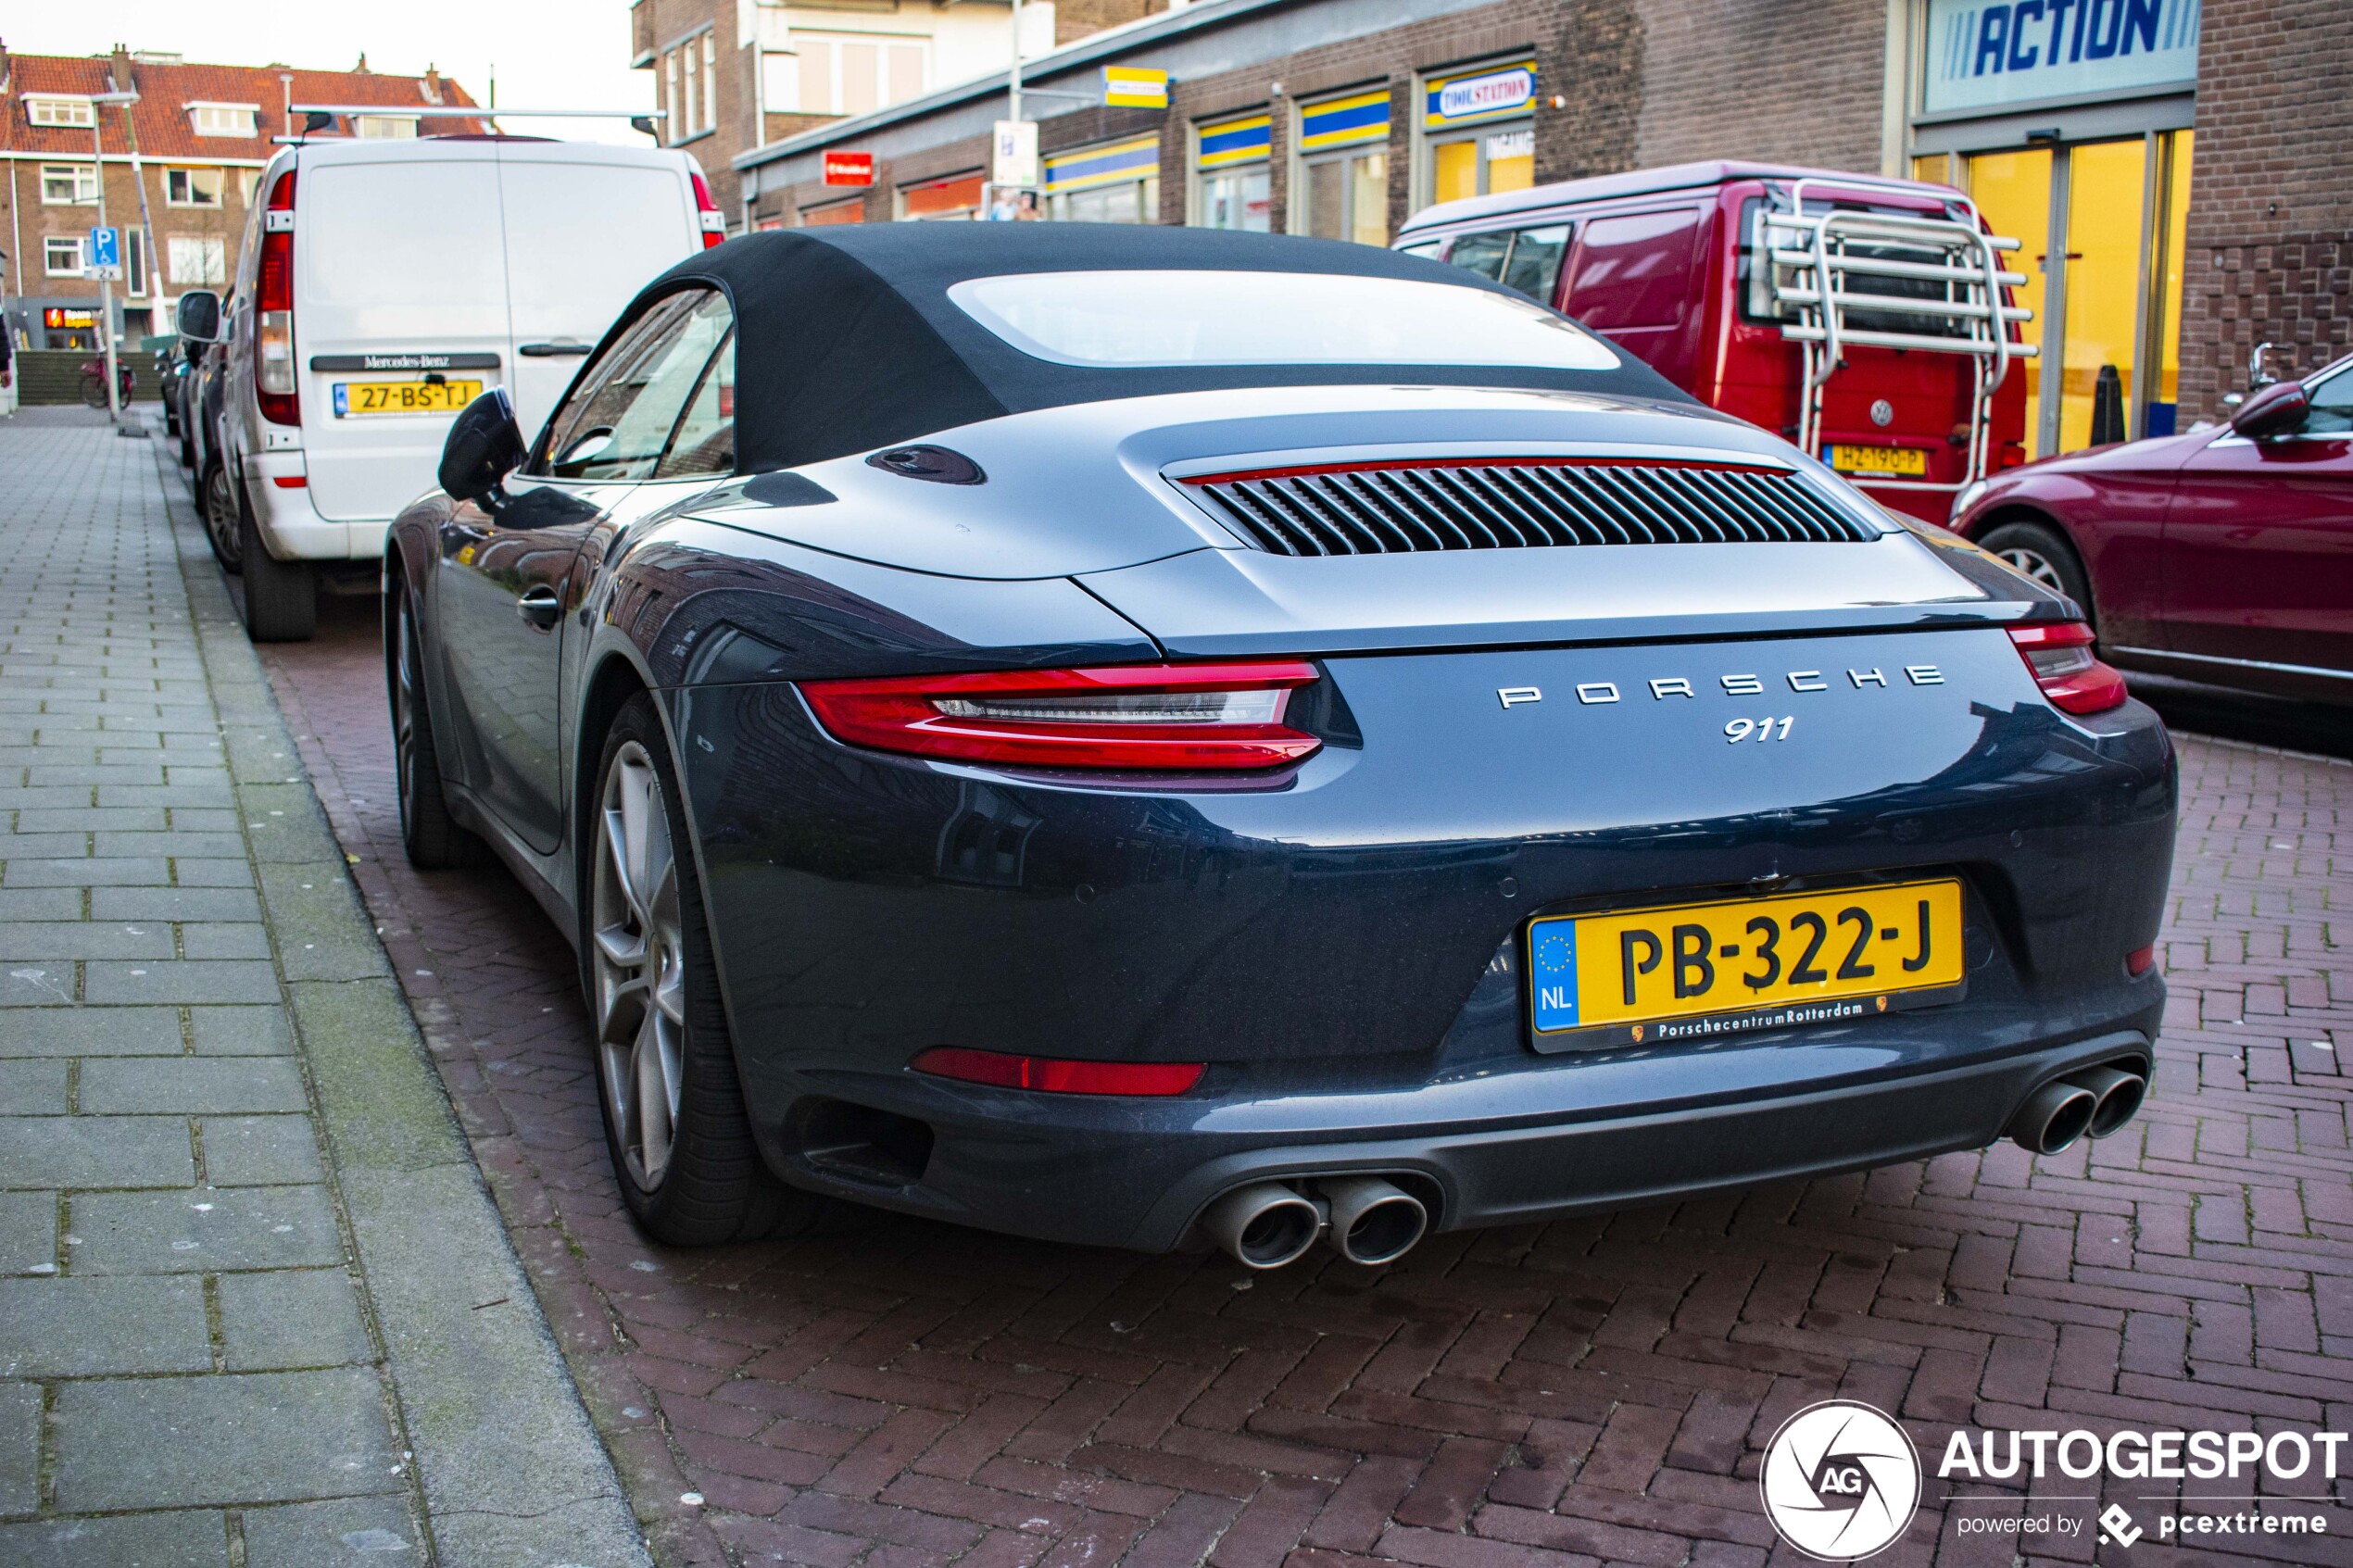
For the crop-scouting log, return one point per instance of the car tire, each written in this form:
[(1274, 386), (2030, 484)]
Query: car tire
[(429, 833), (676, 1124), (282, 596), (2040, 553), (216, 504)]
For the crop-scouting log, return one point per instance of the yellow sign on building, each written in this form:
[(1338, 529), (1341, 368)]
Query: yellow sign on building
[(1133, 87)]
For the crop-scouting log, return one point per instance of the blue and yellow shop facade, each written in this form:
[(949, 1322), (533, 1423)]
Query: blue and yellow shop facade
[(2074, 124)]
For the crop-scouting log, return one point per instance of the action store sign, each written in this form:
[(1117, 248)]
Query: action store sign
[(1841, 1482), (1985, 57)]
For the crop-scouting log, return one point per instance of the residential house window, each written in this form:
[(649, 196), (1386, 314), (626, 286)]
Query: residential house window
[(383, 127), (709, 85), (60, 111), (134, 262), (249, 184), (193, 187), (222, 120), (690, 116), (69, 184), (196, 262), (1342, 186), (62, 255), (848, 73)]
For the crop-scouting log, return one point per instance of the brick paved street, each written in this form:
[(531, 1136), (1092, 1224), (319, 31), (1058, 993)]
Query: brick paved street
[(1595, 1390)]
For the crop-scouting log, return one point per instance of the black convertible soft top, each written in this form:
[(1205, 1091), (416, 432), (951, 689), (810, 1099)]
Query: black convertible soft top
[(847, 339)]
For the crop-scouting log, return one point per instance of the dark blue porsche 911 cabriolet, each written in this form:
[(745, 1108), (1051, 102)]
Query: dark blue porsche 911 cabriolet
[(1149, 737)]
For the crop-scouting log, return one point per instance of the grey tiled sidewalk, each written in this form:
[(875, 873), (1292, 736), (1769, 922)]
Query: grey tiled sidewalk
[(253, 1307)]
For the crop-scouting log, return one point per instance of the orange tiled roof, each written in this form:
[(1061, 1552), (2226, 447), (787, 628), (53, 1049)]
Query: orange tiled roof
[(166, 131)]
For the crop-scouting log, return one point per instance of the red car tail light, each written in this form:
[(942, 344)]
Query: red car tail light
[(1162, 716), (1058, 1075), (2140, 961), (2061, 659), (707, 213), (273, 345)]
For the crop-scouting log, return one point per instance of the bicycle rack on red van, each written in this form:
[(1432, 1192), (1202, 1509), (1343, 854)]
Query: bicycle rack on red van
[(1954, 250)]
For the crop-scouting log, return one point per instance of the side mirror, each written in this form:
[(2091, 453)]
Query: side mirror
[(484, 447), (199, 318), (2277, 410)]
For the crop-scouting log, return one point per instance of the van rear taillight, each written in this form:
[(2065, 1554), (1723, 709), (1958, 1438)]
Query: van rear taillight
[(2061, 659), (273, 349), (714, 223)]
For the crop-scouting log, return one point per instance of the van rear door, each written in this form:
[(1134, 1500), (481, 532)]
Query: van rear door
[(587, 227), (399, 276)]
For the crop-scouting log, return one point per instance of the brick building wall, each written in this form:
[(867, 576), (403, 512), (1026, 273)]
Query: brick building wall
[(2269, 255), (1075, 20), (1762, 80)]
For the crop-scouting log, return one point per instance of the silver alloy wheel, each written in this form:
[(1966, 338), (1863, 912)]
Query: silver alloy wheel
[(639, 962), (220, 513), (2037, 566)]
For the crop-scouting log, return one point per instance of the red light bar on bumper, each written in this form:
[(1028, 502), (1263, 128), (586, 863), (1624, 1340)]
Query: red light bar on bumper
[(1057, 1075), (2059, 657), (1156, 716)]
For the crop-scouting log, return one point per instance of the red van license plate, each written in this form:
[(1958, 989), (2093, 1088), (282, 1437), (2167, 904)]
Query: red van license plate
[(1900, 462)]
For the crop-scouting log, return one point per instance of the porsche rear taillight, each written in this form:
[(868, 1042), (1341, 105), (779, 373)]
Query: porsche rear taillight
[(2061, 659), (707, 213), (273, 347), (1187, 717)]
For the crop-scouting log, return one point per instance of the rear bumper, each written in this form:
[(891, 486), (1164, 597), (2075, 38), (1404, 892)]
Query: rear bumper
[(1129, 1174), (289, 525)]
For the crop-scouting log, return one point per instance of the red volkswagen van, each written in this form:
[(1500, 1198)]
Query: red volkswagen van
[(1868, 321)]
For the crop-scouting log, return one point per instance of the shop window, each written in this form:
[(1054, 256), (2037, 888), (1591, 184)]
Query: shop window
[(852, 211), (1117, 184), (62, 255), (1479, 130), (69, 184), (1232, 186), (1343, 146), (957, 196), (222, 120), (194, 187)]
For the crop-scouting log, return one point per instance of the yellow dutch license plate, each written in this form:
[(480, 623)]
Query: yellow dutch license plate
[(1900, 462), (403, 396), (1700, 971)]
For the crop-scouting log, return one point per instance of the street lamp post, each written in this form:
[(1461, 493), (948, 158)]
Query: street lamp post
[(105, 284)]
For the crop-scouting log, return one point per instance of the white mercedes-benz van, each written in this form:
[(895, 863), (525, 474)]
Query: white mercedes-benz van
[(384, 284)]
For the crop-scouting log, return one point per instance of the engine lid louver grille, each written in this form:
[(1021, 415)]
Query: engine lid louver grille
[(1401, 508)]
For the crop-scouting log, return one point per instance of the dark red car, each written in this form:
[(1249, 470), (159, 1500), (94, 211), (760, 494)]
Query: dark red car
[(2222, 554)]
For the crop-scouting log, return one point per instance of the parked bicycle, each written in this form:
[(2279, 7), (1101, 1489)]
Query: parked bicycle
[(94, 381)]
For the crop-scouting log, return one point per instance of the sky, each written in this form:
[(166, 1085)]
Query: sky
[(550, 54)]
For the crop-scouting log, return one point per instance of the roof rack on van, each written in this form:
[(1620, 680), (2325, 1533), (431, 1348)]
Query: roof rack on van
[(1818, 256), (318, 116)]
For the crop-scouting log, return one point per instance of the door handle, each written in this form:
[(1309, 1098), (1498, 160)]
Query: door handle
[(540, 607), (552, 350)]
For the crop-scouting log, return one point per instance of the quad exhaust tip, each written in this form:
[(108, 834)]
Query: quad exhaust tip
[(2097, 1100), (1364, 1219)]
